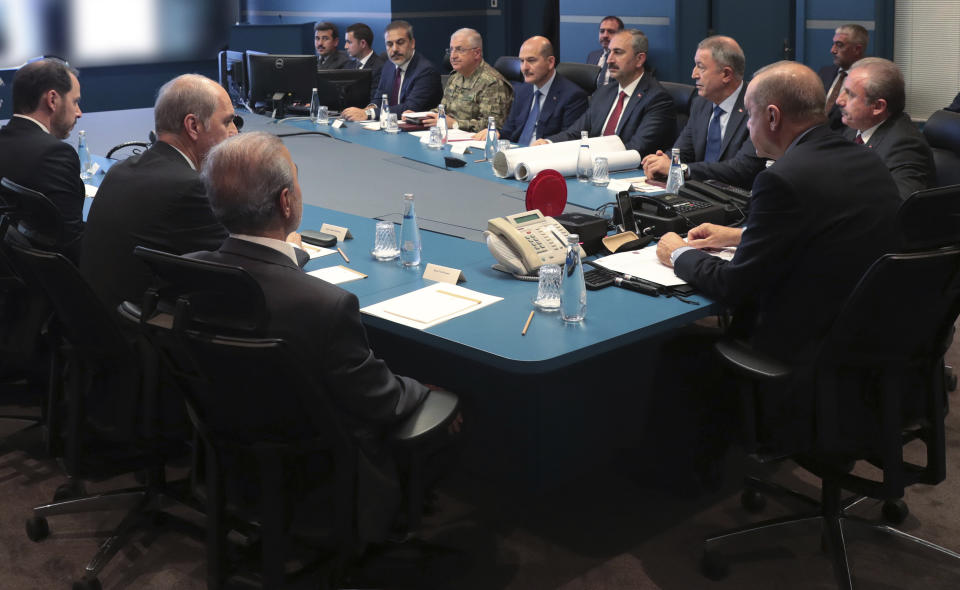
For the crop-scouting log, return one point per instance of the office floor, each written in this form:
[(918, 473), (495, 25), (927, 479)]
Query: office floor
[(610, 531)]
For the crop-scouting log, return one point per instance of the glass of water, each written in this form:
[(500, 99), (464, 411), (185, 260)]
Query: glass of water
[(548, 288), (436, 138)]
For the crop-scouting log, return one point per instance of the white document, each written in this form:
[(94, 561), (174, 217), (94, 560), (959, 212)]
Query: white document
[(639, 184), (316, 251), (567, 164), (644, 264), (372, 126), (452, 135), (337, 274), (430, 305), (90, 190), (505, 163)]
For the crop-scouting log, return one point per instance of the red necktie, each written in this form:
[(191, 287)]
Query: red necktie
[(395, 95), (611, 127), (859, 139)]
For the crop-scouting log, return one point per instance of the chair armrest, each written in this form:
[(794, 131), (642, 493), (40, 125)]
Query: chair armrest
[(751, 363), (437, 410)]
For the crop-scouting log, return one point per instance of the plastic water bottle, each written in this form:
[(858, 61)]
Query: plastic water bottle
[(573, 291), (675, 176), (315, 107), (409, 234), (84, 152), (491, 147), (584, 161), (384, 111), (442, 125)]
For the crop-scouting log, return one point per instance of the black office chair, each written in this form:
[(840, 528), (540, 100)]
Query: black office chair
[(109, 399), (509, 68), (877, 384), (682, 95), (33, 215), (583, 75), (219, 353), (942, 131)]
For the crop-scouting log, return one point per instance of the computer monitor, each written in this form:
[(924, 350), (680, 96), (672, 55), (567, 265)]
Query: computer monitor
[(352, 87), (293, 75), (233, 74)]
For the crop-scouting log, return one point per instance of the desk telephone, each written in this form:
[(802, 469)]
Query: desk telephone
[(523, 242)]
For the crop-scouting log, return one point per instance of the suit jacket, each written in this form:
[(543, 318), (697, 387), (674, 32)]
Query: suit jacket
[(375, 64), (955, 105), (827, 74), (904, 151), (322, 322), (562, 106), (738, 163), (421, 89), (31, 157), (648, 122), (593, 58), (336, 61), (819, 216), (154, 199)]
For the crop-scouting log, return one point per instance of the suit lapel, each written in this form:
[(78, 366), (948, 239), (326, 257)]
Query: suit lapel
[(635, 100), (550, 104), (737, 118), (411, 67), (881, 132)]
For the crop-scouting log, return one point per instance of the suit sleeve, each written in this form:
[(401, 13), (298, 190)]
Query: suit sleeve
[(361, 383), (62, 185), (582, 123), (910, 162), (656, 128), (575, 108), (770, 240), (741, 170)]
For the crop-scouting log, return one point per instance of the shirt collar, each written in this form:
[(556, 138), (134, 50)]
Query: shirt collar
[(867, 134), (284, 248), (42, 126), (797, 139), (545, 89), (185, 157), (728, 103), (629, 89)]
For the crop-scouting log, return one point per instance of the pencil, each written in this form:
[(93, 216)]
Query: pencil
[(342, 254), (527, 325)]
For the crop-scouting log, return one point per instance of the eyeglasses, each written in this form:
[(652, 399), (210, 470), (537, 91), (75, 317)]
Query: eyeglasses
[(461, 50)]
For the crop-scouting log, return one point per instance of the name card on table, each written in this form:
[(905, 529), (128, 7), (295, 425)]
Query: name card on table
[(444, 274), (337, 124), (342, 233)]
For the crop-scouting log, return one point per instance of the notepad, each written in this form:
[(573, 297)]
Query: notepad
[(430, 305), (337, 274), (316, 251)]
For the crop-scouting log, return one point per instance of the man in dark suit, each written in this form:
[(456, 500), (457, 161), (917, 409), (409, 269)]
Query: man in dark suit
[(559, 102), (410, 82), (326, 40), (156, 199), (849, 44), (637, 108), (715, 142), (46, 106), (609, 26), (359, 46), (253, 188), (819, 216), (871, 103)]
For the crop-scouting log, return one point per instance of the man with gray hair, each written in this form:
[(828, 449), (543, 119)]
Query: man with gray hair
[(715, 142), (254, 191), (871, 103), (475, 90), (849, 45), (156, 199)]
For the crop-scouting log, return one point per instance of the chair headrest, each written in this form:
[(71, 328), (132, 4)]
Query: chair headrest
[(942, 130), (931, 218)]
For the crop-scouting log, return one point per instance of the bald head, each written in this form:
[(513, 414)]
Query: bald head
[(193, 113), (783, 100), (537, 60)]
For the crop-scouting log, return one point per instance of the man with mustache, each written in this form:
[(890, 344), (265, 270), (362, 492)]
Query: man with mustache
[(410, 81), (609, 26)]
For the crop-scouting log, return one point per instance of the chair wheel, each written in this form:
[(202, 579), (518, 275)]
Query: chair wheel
[(895, 511), (68, 491), (752, 500), (37, 528), (87, 584), (713, 567)]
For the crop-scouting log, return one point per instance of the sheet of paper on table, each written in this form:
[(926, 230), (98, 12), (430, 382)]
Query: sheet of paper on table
[(644, 263), (430, 305), (337, 274), (316, 251)]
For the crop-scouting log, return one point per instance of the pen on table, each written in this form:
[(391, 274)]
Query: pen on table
[(342, 254), (527, 325)]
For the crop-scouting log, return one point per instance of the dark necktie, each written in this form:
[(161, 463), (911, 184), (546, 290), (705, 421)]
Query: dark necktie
[(859, 139), (714, 139), (835, 91), (611, 128), (602, 78), (395, 93), (527, 134)]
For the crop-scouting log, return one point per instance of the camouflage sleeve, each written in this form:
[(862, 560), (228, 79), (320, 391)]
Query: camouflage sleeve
[(493, 101)]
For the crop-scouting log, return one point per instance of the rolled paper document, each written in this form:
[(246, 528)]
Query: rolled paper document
[(624, 160), (505, 163)]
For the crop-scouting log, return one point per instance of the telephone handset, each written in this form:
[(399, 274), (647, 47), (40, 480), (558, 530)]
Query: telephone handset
[(524, 242)]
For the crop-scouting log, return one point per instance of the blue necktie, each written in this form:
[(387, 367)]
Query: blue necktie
[(713, 137), (531, 123)]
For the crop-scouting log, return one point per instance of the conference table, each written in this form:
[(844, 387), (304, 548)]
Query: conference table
[(539, 408)]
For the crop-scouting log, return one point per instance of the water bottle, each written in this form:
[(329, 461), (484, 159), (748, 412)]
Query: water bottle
[(409, 234), (384, 111), (315, 107), (584, 161), (442, 125), (84, 152), (573, 291), (675, 176), (491, 148)]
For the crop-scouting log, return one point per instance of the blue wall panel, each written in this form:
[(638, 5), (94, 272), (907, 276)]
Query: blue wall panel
[(375, 13), (817, 20)]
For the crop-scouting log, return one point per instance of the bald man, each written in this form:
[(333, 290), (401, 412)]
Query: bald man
[(156, 199), (819, 216)]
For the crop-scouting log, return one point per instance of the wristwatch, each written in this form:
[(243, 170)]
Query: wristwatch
[(686, 171), (371, 112)]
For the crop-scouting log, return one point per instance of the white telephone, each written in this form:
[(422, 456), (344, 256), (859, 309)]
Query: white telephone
[(523, 242)]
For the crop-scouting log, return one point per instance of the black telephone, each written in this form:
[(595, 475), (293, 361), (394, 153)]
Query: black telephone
[(657, 215), (731, 199)]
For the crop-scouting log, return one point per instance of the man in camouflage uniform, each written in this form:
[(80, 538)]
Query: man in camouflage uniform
[(475, 90)]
